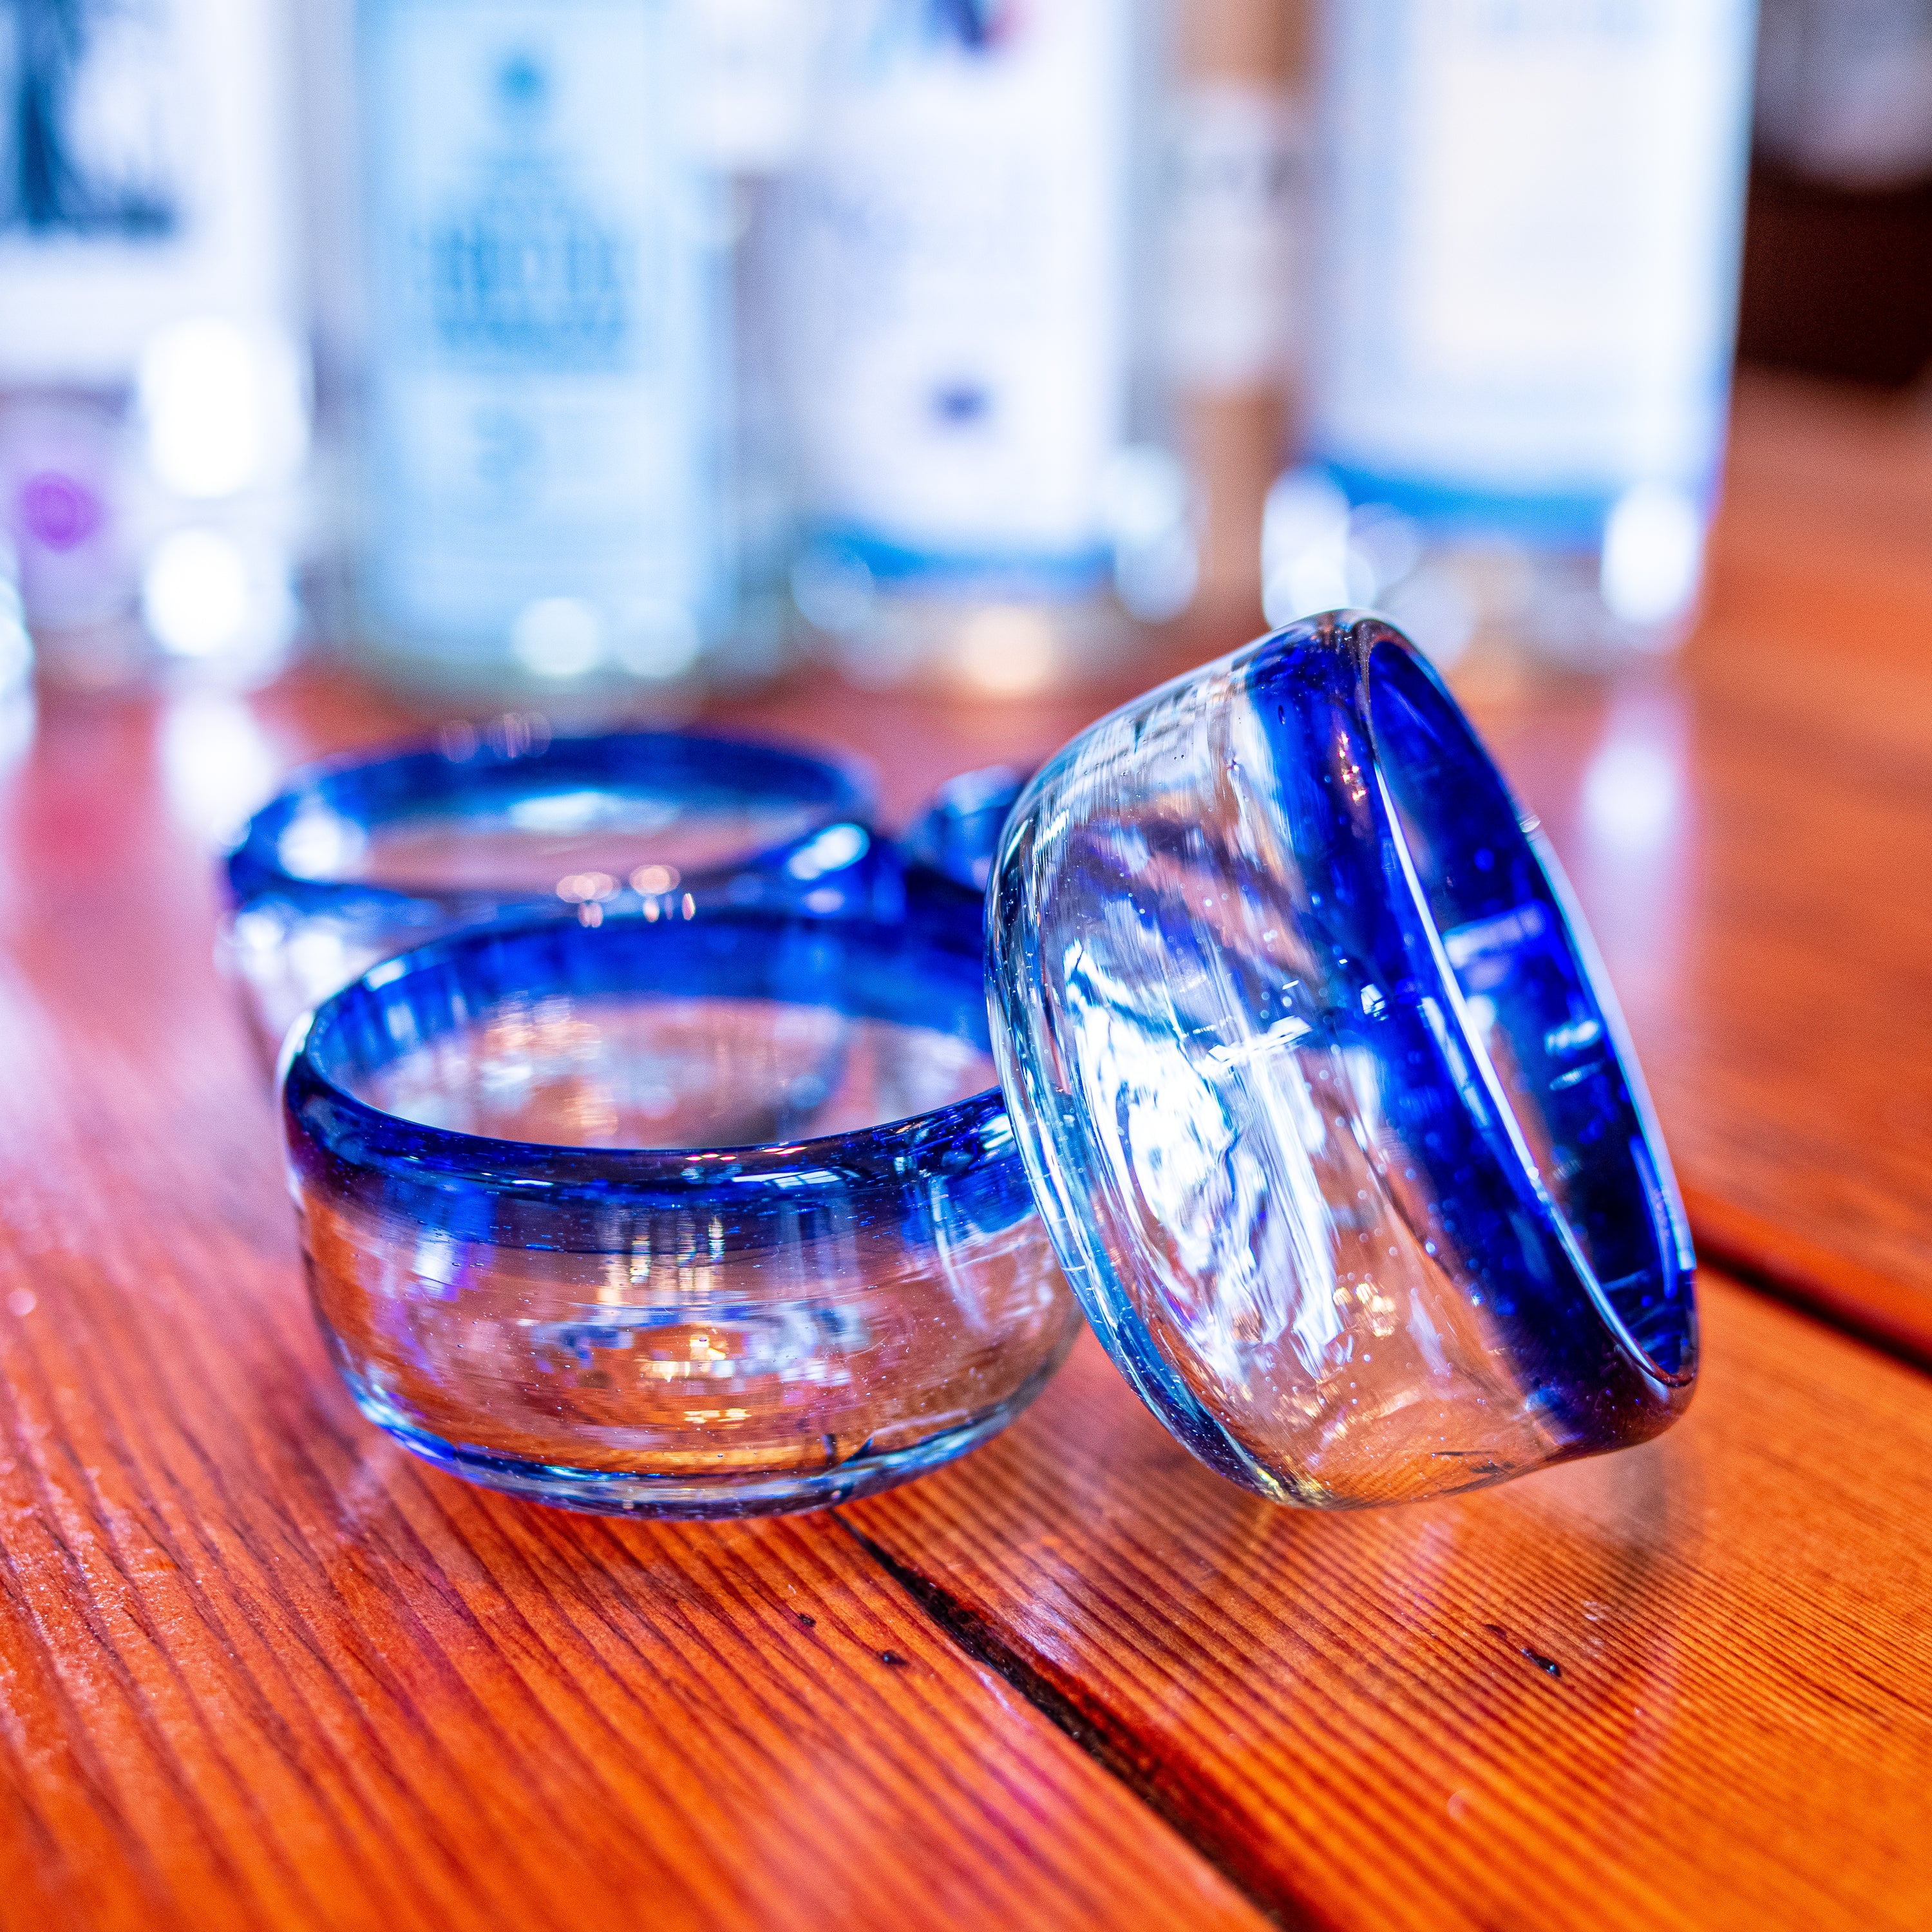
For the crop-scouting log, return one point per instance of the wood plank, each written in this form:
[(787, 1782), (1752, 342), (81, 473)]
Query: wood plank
[(1686, 1686), (1751, 837), (258, 1668)]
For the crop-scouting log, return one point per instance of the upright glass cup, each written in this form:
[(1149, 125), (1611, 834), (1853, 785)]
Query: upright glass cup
[(356, 860), (958, 831), (702, 1216)]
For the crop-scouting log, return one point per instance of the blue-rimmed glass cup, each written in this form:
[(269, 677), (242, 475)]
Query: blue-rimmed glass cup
[(357, 859), (706, 1216), (1322, 1090), (957, 832)]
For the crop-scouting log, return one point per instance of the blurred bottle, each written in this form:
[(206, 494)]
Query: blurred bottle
[(755, 60), (549, 370), (964, 375), (1531, 214), (16, 661), (1837, 278), (1234, 187), (154, 398), (1844, 89)]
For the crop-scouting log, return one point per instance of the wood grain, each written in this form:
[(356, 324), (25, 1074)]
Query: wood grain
[(1686, 1686), (258, 1668), (1764, 908)]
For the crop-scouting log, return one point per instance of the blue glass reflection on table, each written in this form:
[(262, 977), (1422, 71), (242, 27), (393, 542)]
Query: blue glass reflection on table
[(1323, 1095), (356, 861), (704, 1216)]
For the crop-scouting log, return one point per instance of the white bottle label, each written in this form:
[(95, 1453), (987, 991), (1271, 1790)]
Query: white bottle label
[(1234, 176), (1533, 212), (957, 282), (151, 183), (544, 333), (752, 62)]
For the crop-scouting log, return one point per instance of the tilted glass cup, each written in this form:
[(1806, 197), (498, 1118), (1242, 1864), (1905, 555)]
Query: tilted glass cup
[(1322, 1090)]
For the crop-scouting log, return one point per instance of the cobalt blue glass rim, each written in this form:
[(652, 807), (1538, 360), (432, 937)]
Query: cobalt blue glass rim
[(369, 788), (927, 965), (1372, 644)]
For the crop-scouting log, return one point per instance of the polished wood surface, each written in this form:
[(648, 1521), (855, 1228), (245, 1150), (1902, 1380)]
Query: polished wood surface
[(1769, 923), (259, 1668), (1688, 1686)]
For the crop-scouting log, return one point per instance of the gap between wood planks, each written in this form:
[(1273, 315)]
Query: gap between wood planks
[(1872, 1309), (1859, 1301), (1103, 1741)]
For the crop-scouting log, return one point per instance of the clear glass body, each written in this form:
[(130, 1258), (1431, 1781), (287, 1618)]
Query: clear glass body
[(985, 493), (694, 1218), (1530, 220), (1324, 1099), (356, 861), (154, 476)]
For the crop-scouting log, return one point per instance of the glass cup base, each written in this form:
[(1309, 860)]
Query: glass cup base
[(701, 1498)]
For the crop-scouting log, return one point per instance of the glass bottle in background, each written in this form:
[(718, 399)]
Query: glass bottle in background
[(326, 135), (1233, 190), (755, 60), (154, 391), (16, 661), (1838, 273), (1530, 216), (1844, 90), (963, 376), (547, 364)]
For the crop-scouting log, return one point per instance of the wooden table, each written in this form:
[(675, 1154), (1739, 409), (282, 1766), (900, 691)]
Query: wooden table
[(259, 1668)]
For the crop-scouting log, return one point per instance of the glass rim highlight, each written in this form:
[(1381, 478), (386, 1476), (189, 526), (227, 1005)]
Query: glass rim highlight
[(370, 787), (324, 1114), (1373, 642)]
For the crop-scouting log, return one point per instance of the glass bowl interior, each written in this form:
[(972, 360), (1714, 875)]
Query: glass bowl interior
[(356, 861)]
